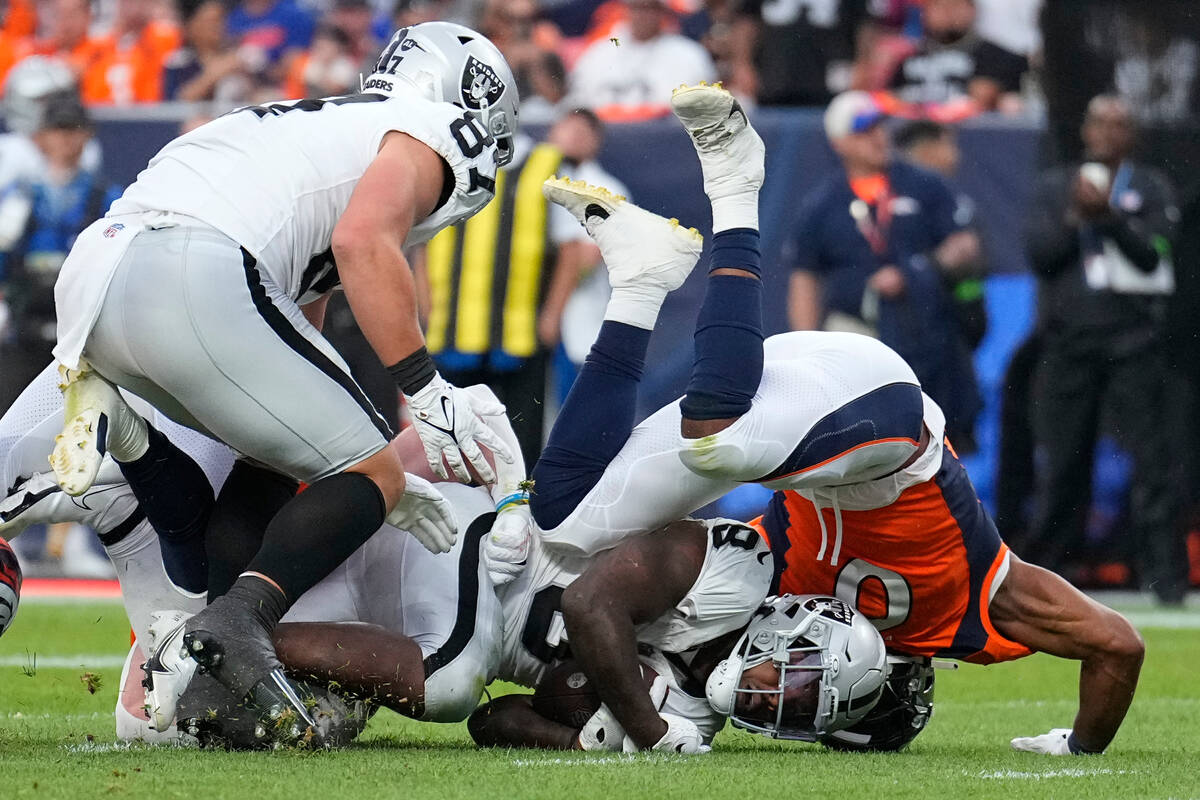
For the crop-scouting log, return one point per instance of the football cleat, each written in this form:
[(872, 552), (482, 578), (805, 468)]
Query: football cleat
[(732, 155), (639, 248), (40, 501), (169, 669), (96, 420)]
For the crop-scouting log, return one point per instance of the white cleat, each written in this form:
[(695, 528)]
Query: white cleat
[(732, 155), (639, 248), (40, 501), (96, 420), (169, 669)]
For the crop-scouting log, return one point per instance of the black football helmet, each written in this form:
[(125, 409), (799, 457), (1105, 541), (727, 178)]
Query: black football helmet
[(901, 713)]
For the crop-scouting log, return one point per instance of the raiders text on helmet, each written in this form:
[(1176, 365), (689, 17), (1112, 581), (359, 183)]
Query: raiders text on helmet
[(453, 64)]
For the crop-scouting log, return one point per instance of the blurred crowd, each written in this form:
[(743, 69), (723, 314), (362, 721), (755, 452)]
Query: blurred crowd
[(620, 58)]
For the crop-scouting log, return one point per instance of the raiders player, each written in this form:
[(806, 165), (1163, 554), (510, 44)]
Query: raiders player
[(203, 289), (426, 628), (868, 486)]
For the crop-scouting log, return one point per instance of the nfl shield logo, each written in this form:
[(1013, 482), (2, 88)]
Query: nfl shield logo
[(113, 230)]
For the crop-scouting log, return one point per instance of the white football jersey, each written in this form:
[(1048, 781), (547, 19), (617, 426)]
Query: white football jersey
[(732, 583), (276, 178)]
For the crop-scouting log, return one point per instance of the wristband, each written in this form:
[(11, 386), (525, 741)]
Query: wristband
[(412, 374), (515, 499)]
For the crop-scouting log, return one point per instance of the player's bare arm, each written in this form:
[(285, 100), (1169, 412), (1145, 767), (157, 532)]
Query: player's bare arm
[(402, 186), (634, 583), (1044, 612), (367, 661)]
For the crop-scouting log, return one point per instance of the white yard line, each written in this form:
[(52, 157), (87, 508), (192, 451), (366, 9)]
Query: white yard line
[(89, 660), (1013, 775)]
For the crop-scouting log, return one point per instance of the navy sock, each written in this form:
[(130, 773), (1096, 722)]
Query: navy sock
[(177, 499), (729, 350), (317, 530), (593, 425), (736, 248)]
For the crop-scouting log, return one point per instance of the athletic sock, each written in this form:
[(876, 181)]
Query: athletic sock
[(593, 424), (249, 499), (728, 341), (176, 497), (317, 530)]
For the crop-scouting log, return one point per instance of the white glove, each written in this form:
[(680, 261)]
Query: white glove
[(507, 547), (682, 736), (1053, 743), (602, 732), (449, 429), (424, 513)]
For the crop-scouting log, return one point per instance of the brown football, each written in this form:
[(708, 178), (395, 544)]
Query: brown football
[(568, 697)]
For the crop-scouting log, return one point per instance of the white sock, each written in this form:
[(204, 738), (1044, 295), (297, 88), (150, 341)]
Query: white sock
[(145, 587), (735, 211), (635, 305), (128, 440)]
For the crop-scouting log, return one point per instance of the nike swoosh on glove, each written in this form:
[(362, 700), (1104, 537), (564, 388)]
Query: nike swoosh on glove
[(1053, 743), (424, 513), (602, 732), (682, 736), (450, 430)]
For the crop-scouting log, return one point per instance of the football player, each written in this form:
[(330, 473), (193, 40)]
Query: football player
[(428, 626), (203, 290), (873, 505)]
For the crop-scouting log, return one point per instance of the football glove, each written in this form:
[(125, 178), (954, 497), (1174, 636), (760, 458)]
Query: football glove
[(602, 732), (682, 736), (507, 547), (1053, 743), (449, 430), (424, 513)]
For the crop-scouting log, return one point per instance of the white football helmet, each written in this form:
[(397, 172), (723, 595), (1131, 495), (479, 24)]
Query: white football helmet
[(450, 63), (27, 86), (831, 666)]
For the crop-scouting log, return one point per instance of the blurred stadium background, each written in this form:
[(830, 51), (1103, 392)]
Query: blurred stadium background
[(147, 69)]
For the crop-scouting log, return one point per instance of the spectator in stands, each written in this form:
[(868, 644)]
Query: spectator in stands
[(1100, 242), (270, 35), (872, 248), (60, 203), (328, 68), (68, 23), (934, 146), (136, 50), (795, 53), (953, 64), (543, 103), (514, 28), (207, 66), (355, 19), (631, 74)]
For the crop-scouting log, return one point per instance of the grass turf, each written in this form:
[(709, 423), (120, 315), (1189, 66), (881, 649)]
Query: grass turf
[(56, 740)]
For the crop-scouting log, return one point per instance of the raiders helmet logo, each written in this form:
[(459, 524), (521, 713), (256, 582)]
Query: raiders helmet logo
[(830, 608), (481, 86)]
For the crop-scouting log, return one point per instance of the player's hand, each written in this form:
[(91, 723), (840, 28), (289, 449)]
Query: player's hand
[(602, 732), (450, 430), (682, 736), (1053, 743), (424, 513), (507, 547)]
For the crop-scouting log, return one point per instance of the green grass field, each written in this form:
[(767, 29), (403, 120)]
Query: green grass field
[(56, 739)]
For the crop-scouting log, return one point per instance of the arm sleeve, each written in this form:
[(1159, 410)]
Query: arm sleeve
[(1053, 242)]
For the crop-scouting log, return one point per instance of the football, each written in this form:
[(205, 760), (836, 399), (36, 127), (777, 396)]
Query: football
[(567, 696), (10, 585)]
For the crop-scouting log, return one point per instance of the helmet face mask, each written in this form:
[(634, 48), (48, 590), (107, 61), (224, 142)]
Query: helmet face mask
[(901, 713), (449, 63), (828, 669)]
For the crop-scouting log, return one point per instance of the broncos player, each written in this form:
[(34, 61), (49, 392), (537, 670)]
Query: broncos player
[(873, 505), (203, 289)]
